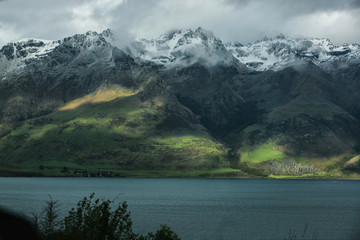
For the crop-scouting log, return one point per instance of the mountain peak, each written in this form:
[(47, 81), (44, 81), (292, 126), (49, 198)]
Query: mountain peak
[(15, 56), (107, 33), (280, 36), (182, 48), (91, 33), (205, 33), (281, 51), (27, 48)]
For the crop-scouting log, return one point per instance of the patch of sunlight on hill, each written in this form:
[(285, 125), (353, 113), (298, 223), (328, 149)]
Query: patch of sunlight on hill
[(353, 160), (41, 131), (105, 94), (262, 153)]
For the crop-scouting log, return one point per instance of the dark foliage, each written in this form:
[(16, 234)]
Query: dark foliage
[(93, 219), (355, 167), (164, 233), (251, 170), (13, 226), (357, 147)]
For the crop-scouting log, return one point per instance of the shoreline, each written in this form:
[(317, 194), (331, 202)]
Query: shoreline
[(199, 174)]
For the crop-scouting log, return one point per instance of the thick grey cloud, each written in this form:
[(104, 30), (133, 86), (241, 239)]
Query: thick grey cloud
[(231, 20), (290, 8), (338, 20)]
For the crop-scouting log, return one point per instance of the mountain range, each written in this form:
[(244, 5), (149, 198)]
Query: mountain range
[(182, 104)]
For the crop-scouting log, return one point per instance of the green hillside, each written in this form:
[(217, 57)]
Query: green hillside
[(111, 132)]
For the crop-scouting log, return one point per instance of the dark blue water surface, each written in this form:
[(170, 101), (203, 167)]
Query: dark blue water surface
[(207, 208)]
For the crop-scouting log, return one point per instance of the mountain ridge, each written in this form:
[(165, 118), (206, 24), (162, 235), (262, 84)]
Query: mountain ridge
[(181, 101), (266, 54)]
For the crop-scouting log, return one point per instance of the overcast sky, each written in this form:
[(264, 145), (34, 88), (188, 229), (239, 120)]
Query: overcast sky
[(231, 20)]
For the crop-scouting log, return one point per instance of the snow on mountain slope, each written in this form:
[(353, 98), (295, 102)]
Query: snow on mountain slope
[(185, 47), (31, 48), (91, 48), (14, 56), (182, 48), (280, 52)]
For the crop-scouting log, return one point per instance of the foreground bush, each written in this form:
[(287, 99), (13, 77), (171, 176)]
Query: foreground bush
[(93, 219)]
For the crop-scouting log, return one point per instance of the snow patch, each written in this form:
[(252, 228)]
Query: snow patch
[(24, 50), (281, 52), (181, 48)]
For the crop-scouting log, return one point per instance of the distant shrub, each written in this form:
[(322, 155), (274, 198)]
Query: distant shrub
[(64, 169), (252, 171)]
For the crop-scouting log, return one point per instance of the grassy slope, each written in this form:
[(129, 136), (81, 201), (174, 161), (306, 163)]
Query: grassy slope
[(108, 133), (258, 149), (113, 133), (262, 153)]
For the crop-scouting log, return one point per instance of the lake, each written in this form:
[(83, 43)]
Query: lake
[(207, 208)]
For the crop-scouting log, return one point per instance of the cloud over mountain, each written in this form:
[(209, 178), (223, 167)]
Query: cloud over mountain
[(246, 20)]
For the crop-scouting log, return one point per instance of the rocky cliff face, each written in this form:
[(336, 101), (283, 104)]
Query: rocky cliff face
[(275, 100)]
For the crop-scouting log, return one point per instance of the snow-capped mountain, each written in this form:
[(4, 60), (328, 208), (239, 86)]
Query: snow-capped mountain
[(182, 48), (14, 56), (280, 52), (91, 47), (178, 82)]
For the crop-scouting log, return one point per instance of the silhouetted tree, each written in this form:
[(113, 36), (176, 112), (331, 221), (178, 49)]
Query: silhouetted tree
[(164, 233), (93, 219), (50, 216)]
